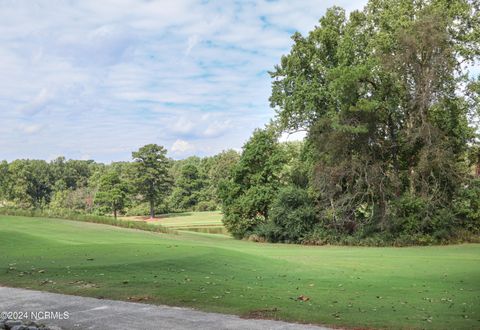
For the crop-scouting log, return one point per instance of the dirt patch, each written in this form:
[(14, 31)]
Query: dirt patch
[(84, 285), (267, 313), (139, 298)]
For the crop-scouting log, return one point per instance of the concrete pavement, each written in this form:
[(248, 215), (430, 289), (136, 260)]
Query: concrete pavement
[(91, 313)]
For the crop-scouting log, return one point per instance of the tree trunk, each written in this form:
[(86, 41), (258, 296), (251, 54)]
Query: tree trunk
[(152, 212), (115, 213)]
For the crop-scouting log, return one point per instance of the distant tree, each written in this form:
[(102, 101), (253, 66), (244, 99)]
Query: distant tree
[(4, 180), (197, 180), (71, 174), (112, 191), (80, 199), (220, 169), (188, 187), (31, 182), (151, 174)]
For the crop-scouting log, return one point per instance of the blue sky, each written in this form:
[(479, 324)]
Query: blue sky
[(97, 79)]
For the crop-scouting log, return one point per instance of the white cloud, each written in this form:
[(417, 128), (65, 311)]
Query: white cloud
[(38, 102), (192, 42), (197, 125), (181, 146), (106, 77), (31, 128), (293, 136)]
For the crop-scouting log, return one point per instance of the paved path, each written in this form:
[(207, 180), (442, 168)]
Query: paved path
[(90, 313)]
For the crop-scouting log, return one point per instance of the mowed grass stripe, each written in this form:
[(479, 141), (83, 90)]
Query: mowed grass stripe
[(424, 287)]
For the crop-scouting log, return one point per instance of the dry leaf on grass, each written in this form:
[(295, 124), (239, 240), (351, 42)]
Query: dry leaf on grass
[(303, 298)]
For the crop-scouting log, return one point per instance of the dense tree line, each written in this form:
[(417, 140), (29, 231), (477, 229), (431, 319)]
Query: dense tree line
[(391, 116), (151, 183)]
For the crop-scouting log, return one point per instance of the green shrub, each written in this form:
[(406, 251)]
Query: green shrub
[(206, 206), (407, 214), (319, 235), (414, 239), (293, 214), (467, 206), (269, 232), (143, 209)]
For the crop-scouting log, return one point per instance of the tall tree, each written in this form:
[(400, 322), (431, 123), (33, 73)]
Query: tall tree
[(253, 183), (31, 182), (151, 174), (4, 181), (221, 167), (188, 187), (383, 97)]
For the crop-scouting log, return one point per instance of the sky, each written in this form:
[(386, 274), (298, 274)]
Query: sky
[(97, 79)]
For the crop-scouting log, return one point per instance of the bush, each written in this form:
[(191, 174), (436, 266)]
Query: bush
[(318, 236), (256, 238), (268, 231), (206, 206), (408, 212), (467, 206), (414, 239), (293, 214), (80, 199), (321, 236), (143, 209)]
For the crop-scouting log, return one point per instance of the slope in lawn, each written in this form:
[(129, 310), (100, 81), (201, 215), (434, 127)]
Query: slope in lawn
[(432, 287)]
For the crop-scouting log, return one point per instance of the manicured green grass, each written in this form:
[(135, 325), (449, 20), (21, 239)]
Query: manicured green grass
[(207, 222), (425, 287), (192, 219)]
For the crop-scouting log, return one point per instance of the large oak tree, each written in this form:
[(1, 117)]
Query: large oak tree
[(384, 96)]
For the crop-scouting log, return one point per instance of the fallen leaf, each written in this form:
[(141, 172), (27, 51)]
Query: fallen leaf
[(138, 298), (303, 298)]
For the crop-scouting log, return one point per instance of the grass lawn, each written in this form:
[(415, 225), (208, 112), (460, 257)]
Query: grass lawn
[(191, 219), (207, 222), (424, 287)]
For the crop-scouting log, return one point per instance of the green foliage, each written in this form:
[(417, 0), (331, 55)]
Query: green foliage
[(414, 215), (253, 184), (71, 174), (293, 213), (29, 183), (112, 192), (206, 206), (4, 181), (197, 180), (188, 188), (151, 174), (143, 209), (80, 199), (221, 165), (266, 232), (467, 206), (95, 188), (386, 100)]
